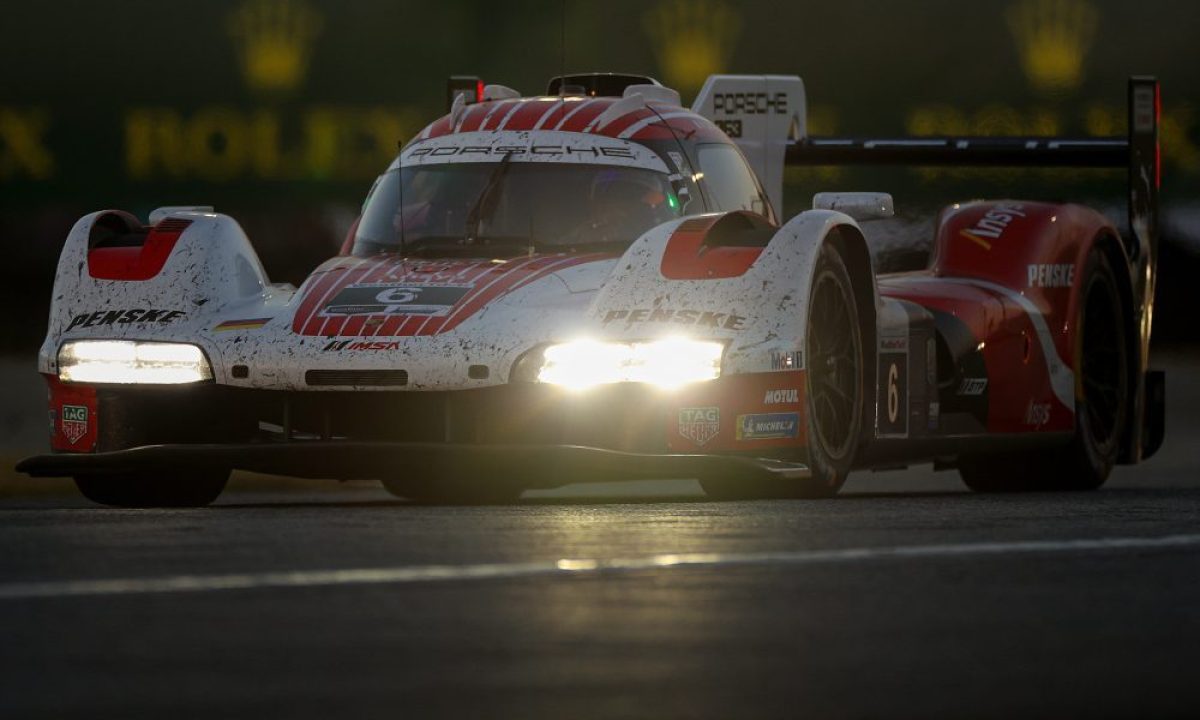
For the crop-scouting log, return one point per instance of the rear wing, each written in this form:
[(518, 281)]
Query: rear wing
[(1138, 152), (765, 116)]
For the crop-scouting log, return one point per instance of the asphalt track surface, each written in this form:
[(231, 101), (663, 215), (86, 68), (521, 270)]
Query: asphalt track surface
[(904, 597)]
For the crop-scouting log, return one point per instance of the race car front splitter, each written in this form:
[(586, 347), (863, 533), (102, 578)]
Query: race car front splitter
[(526, 466)]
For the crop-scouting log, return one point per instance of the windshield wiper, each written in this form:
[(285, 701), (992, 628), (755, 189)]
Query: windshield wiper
[(485, 200)]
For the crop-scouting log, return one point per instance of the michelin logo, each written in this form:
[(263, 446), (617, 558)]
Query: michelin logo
[(768, 426)]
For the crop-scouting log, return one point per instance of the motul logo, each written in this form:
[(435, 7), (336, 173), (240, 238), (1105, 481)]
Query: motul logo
[(780, 397)]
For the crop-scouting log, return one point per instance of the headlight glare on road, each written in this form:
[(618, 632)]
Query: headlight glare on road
[(130, 362), (667, 363)]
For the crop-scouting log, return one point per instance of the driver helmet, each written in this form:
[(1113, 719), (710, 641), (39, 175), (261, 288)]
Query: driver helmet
[(626, 190)]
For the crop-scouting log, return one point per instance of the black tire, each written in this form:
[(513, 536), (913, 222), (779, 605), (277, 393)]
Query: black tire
[(154, 489), (834, 357), (451, 491), (1101, 404)]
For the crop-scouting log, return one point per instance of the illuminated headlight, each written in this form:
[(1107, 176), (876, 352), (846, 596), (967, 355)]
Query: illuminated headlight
[(666, 363), (130, 362)]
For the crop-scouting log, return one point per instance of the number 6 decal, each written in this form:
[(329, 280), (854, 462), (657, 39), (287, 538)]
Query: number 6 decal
[(893, 390)]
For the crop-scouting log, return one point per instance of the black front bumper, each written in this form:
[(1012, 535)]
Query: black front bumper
[(530, 466)]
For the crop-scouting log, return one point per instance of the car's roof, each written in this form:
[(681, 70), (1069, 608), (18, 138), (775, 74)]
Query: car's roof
[(578, 114)]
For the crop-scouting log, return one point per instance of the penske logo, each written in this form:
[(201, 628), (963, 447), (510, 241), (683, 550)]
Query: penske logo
[(1051, 276), (993, 224)]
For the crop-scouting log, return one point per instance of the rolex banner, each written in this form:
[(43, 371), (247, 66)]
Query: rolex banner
[(149, 102)]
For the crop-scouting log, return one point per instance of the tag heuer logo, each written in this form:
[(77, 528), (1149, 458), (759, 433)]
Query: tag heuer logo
[(699, 424), (74, 422)]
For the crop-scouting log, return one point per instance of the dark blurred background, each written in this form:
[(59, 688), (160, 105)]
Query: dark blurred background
[(281, 112)]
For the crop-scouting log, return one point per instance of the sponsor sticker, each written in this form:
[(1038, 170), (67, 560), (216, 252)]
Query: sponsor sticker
[(750, 103), (124, 317), (1051, 275), (698, 318), (1037, 414), (768, 426), (433, 300), (444, 148), (74, 422), (699, 424), (360, 345), (787, 360), (781, 397), (993, 224), (972, 386)]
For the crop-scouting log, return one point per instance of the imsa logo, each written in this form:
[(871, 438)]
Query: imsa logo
[(699, 424)]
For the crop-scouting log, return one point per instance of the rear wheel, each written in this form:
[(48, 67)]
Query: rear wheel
[(1101, 406), (834, 358), (194, 488)]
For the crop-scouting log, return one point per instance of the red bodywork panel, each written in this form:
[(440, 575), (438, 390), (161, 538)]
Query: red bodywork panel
[(137, 263), (687, 257), (1009, 272)]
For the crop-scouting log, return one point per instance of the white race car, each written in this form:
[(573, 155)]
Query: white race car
[(594, 284)]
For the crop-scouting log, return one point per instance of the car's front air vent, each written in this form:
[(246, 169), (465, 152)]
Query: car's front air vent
[(361, 378)]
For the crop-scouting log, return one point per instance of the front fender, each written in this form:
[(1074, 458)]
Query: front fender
[(209, 269), (761, 312)]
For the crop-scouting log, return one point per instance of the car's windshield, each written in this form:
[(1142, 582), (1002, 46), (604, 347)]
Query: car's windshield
[(510, 206)]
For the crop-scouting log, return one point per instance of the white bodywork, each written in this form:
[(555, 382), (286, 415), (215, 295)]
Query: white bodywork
[(214, 277)]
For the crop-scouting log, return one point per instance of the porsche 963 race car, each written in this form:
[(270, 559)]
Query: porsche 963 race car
[(595, 284)]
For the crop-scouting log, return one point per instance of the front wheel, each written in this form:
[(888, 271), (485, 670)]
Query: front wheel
[(834, 360), (195, 488)]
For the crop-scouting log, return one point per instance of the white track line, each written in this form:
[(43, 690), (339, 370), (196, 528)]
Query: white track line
[(565, 567)]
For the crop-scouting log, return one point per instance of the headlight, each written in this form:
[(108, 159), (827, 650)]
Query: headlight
[(131, 362), (666, 363)]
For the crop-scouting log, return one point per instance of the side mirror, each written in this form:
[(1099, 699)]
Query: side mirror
[(858, 205)]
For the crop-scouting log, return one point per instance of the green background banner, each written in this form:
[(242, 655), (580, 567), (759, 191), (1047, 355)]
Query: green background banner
[(149, 102)]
